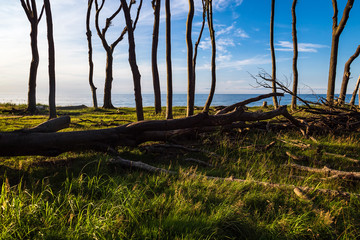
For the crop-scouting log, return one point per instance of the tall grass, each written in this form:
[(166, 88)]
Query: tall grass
[(81, 196)]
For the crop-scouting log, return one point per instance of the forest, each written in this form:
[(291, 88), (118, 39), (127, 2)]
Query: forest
[(180, 172)]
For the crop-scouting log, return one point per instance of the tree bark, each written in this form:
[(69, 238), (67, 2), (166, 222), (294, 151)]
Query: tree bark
[(346, 76), (155, 41), (52, 105), (191, 83), (352, 101), (90, 53), (273, 60), (108, 79), (132, 62), (169, 97), (295, 58), (336, 32), (213, 56)]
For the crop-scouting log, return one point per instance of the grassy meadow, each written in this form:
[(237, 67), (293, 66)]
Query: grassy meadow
[(83, 196)]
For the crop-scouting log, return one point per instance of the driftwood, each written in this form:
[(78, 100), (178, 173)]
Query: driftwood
[(52, 143), (342, 156), (250, 100), (327, 171), (300, 189)]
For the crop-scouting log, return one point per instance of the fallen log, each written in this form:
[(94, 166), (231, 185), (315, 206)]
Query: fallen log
[(49, 143)]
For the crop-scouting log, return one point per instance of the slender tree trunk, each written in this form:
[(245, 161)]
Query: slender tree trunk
[(273, 76), (155, 41), (133, 64), (30, 10), (213, 57), (197, 45), (191, 83), (108, 79), (33, 67), (169, 98), (108, 48), (52, 105), (332, 69), (352, 101), (295, 58), (90, 51), (346, 76), (336, 32)]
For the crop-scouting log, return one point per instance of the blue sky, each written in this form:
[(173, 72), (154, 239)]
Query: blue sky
[(242, 33)]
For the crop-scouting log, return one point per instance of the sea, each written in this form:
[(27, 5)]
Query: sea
[(128, 100)]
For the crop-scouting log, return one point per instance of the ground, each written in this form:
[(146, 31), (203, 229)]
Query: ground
[(84, 196)]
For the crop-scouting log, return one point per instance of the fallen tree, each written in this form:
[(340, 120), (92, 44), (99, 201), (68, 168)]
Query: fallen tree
[(49, 142)]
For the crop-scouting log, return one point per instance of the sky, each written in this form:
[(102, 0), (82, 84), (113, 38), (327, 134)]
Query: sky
[(242, 34)]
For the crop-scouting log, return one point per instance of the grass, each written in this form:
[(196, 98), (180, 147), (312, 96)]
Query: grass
[(81, 196)]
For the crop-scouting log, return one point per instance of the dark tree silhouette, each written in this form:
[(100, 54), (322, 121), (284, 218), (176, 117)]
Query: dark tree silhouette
[(132, 57), (209, 11), (155, 41), (108, 48), (169, 97), (32, 15), (50, 35), (346, 75), (191, 82), (295, 58), (91, 64), (336, 32), (273, 75)]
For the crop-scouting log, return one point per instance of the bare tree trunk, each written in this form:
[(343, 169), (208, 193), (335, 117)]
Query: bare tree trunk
[(155, 41), (32, 15), (108, 48), (346, 76), (191, 83), (33, 68), (91, 64), (213, 56), (169, 98), (352, 101), (336, 32), (52, 105), (132, 62), (108, 79), (273, 75), (295, 58)]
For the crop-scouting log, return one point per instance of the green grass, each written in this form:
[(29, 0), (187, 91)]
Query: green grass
[(82, 196)]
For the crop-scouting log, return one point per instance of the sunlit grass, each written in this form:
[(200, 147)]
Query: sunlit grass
[(81, 196)]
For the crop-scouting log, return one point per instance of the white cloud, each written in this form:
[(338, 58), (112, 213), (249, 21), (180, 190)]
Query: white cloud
[(287, 46), (221, 5)]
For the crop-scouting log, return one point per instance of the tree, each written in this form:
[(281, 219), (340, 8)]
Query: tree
[(34, 19), (50, 35), (155, 41), (336, 32), (346, 75), (132, 57), (273, 75), (209, 11), (169, 94), (352, 101), (109, 50), (91, 64), (191, 82), (295, 58)]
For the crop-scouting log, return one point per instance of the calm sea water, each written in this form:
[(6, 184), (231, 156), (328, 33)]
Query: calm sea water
[(127, 100)]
